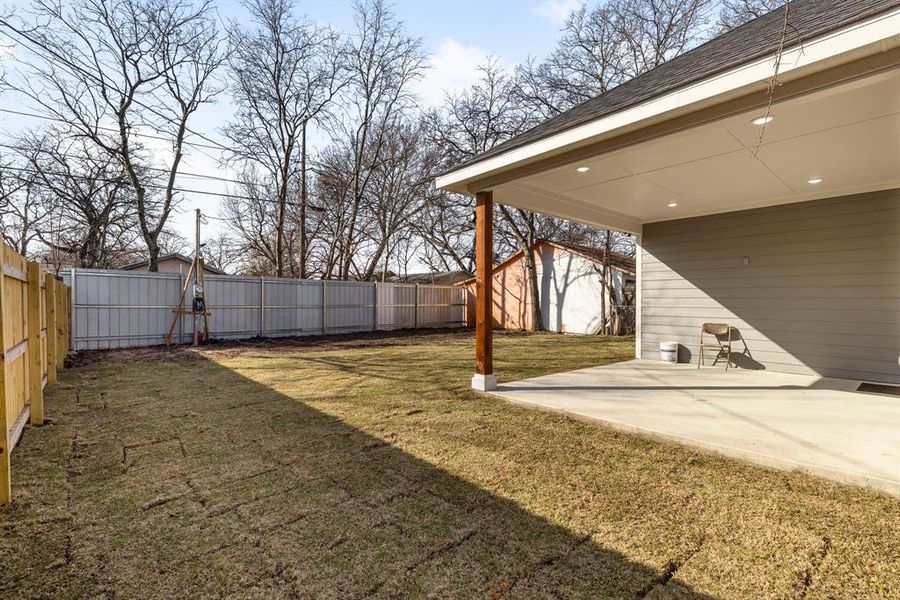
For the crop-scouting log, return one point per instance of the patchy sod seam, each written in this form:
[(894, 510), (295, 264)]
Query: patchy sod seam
[(127, 447), (816, 560), (669, 570), (544, 563), (430, 556)]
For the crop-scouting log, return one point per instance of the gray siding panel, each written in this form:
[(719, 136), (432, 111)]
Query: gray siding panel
[(821, 294)]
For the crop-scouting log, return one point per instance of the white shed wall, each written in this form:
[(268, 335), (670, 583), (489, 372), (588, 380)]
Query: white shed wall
[(571, 289)]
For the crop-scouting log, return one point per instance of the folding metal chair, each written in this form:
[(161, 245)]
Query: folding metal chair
[(721, 347)]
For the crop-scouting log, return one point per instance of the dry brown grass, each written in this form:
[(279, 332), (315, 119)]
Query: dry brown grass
[(369, 469)]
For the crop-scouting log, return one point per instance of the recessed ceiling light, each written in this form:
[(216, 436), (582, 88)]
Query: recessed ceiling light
[(583, 169), (763, 120), (814, 180), (672, 204)]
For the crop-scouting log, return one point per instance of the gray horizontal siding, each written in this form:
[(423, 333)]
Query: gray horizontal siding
[(821, 294)]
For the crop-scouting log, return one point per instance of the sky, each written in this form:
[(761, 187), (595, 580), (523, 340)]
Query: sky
[(459, 35)]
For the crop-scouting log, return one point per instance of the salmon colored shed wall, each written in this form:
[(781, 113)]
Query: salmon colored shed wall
[(511, 307)]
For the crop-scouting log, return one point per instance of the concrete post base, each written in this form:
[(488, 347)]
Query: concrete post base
[(483, 383)]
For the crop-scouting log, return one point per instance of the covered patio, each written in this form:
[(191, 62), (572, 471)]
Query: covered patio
[(817, 425), (760, 181)]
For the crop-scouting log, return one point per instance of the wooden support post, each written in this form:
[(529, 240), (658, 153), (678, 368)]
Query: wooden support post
[(484, 379), (35, 370), (52, 338), (5, 418)]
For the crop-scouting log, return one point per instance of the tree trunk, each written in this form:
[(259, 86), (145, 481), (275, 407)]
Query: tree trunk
[(153, 254), (537, 320), (526, 242)]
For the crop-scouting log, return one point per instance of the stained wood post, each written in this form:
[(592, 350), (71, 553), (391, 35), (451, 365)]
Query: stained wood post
[(5, 419), (52, 338), (484, 379), (35, 370)]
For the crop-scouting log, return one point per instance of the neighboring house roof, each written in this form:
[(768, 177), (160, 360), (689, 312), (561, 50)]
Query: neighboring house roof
[(746, 43), (439, 278), (617, 261), (175, 255)]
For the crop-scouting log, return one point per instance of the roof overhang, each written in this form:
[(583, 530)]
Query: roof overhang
[(846, 82)]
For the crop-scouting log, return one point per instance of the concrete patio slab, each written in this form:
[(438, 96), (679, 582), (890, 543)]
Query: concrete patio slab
[(817, 425)]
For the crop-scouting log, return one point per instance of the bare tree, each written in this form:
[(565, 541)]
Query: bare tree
[(104, 68), (401, 182), (738, 12), (382, 61), (88, 200), (23, 214), (475, 120), (221, 252), (285, 72), (604, 46)]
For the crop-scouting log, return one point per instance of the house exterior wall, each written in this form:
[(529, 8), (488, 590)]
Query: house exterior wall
[(811, 287)]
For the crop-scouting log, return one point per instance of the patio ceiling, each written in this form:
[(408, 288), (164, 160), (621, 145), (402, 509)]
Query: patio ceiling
[(847, 135)]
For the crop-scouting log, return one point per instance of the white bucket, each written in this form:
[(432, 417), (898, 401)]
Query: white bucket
[(668, 352)]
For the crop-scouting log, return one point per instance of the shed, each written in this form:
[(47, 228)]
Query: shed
[(570, 287)]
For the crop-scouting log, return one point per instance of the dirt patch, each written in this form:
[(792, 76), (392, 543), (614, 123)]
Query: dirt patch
[(232, 348), (150, 354)]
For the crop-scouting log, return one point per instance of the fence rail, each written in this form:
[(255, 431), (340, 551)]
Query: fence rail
[(121, 309), (34, 337)]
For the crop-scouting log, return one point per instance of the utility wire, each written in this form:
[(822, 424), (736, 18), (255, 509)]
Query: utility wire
[(162, 187), (179, 173), (145, 135), (220, 145)]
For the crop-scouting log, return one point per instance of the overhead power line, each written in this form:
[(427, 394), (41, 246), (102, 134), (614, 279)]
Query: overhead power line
[(161, 170), (135, 133), (162, 187)]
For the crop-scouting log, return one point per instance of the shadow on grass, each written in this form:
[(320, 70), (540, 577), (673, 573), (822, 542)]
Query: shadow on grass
[(193, 480)]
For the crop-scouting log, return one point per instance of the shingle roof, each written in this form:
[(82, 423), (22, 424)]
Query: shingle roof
[(185, 259), (746, 43)]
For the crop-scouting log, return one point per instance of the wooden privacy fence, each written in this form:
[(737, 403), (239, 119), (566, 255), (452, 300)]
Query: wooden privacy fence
[(34, 335), (122, 309)]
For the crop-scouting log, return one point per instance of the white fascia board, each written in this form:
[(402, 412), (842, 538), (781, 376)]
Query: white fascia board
[(836, 43)]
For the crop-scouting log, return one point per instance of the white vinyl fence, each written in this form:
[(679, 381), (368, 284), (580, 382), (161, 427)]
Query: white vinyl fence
[(122, 309)]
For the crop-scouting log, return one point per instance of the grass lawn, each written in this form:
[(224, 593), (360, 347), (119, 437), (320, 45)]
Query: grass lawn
[(366, 468)]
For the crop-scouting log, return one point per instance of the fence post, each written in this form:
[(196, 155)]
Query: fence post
[(67, 322), (35, 372), (5, 475), (60, 324), (179, 316), (324, 308), (374, 306), (262, 306), (72, 289), (50, 297), (416, 309)]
